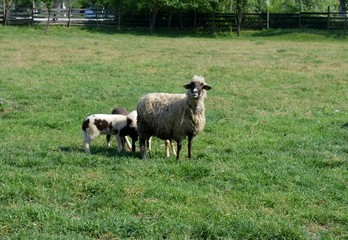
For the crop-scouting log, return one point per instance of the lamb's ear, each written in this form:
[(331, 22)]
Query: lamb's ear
[(187, 86), (206, 87), (129, 121)]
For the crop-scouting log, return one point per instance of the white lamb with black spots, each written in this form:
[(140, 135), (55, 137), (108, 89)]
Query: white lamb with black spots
[(110, 124)]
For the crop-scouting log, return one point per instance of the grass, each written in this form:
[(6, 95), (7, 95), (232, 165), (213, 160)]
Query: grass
[(270, 164)]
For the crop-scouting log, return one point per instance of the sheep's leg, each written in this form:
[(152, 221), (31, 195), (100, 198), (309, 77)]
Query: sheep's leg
[(108, 137), (143, 148), (178, 150), (190, 140)]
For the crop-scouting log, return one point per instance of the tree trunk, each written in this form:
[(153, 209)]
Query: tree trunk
[(119, 18), (239, 23), (48, 20), (170, 19), (195, 20), (153, 20)]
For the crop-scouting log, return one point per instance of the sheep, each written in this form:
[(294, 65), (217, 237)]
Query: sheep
[(112, 124), (173, 116), (121, 111)]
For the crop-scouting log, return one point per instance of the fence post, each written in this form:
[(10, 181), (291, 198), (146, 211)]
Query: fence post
[(299, 20), (328, 17), (69, 16), (345, 23), (32, 15), (96, 14)]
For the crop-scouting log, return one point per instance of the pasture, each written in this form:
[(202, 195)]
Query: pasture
[(272, 162)]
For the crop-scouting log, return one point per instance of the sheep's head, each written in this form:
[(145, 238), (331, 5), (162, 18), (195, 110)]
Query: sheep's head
[(196, 88)]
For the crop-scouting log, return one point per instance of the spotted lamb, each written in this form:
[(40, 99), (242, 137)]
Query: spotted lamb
[(111, 124)]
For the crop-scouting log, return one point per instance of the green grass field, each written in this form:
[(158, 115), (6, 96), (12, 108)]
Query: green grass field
[(272, 162)]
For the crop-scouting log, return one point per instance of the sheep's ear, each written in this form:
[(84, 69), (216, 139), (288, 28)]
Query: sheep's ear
[(206, 87), (187, 86)]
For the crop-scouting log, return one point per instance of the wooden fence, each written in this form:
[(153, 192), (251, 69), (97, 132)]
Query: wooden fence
[(205, 21)]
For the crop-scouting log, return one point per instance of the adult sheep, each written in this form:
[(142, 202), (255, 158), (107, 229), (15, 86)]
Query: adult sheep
[(173, 116)]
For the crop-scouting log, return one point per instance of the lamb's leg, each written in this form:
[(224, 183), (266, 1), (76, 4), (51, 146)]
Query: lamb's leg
[(173, 147), (87, 149), (178, 150), (119, 143), (133, 145), (108, 137), (86, 139), (166, 146), (129, 145), (148, 145)]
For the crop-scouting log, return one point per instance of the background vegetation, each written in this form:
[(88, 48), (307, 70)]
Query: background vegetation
[(271, 163)]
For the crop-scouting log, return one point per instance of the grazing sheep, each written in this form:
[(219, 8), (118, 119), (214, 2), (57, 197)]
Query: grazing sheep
[(112, 124), (173, 116), (121, 111)]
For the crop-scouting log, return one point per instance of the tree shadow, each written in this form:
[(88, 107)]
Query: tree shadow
[(145, 31), (334, 34)]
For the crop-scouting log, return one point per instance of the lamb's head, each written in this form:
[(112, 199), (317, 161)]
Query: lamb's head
[(197, 87)]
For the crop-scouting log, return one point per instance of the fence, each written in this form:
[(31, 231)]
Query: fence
[(205, 21)]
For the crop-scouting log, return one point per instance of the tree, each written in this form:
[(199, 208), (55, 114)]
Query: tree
[(120, 6), (6, 7), (48, 5), (240, 7), (343, 5)]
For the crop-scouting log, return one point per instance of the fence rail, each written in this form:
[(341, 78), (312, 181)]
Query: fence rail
[(218, 21)]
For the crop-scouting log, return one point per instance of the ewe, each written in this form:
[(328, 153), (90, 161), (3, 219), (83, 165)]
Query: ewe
[(173, 116)]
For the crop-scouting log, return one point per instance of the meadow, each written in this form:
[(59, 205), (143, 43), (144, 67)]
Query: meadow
[(271, 163)]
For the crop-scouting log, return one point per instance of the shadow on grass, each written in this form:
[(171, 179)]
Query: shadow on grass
[(144, 31), (101, 151), (334, 34)]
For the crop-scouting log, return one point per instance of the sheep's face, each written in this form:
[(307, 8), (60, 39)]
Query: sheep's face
[(196, 89)]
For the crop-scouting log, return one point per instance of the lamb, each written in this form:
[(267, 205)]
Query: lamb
[(111, 124), (121, 111), (173, 116)]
